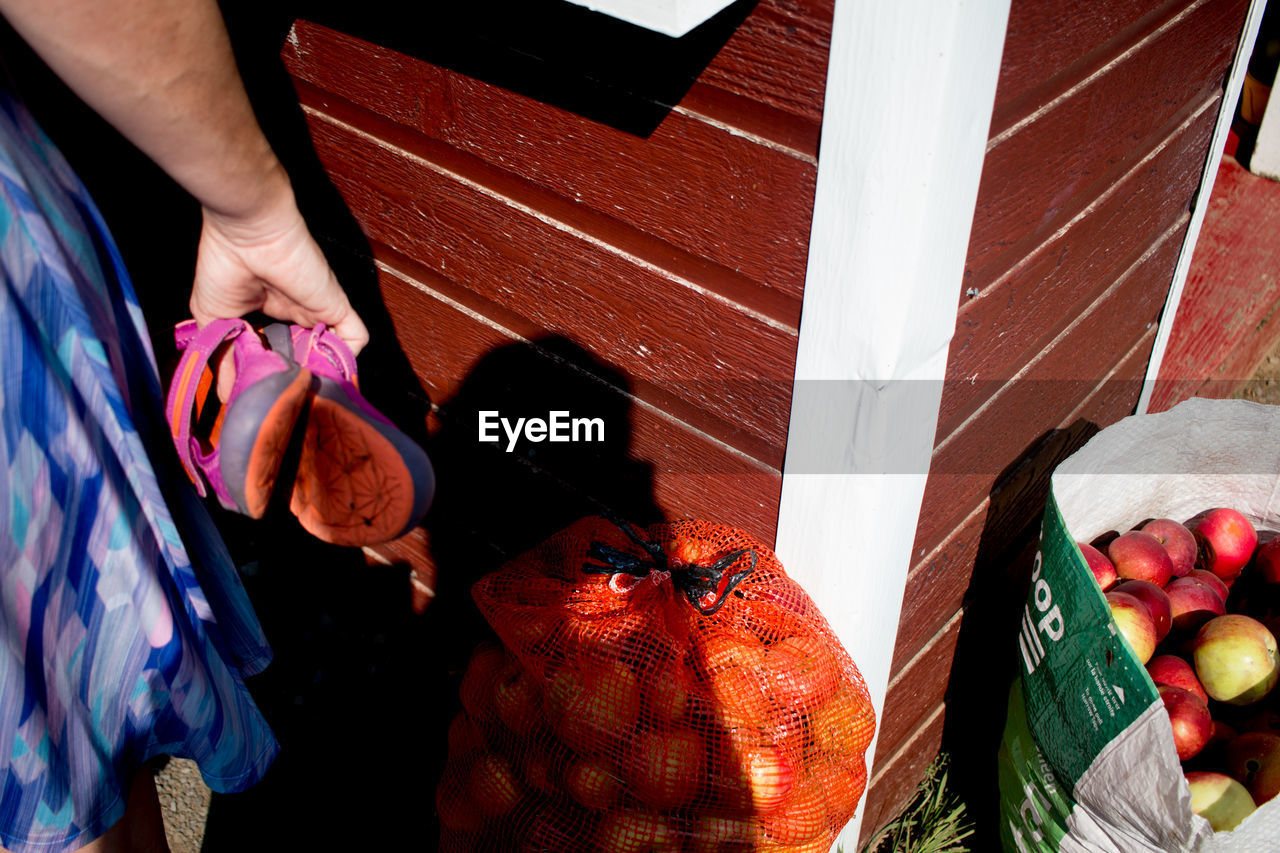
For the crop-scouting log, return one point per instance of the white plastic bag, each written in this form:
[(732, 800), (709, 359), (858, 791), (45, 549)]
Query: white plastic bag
[(1088, 761)]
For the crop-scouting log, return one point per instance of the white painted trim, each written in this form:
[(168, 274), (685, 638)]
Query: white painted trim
[(670, 17), (1225, 114), (910, 91)]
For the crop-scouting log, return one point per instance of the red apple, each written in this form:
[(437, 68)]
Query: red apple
[(531, 627), (717, 649), (1267, 561), (844, 782), (463, 736), (1214, 753), (716, 834), (666, 693), (637, 831), (770, 775), (1208, 577), (538, 766), (843, 726), (517, 698), (665, 768), (594, 782), (1176, 672), (1193, 601), (737, 677), (1133, 620), (1222, 732), (488, 663), (1236, 659), (753, 776), (493, 785), (1273, 625), (802, 671), (1253, 758), (456, 810), (1178, 540), (1192, 724), (1226, 540), (1140, 556), (1104, 571), (1157, 604), (594, 704), (1219, 799), (1102, 540), (803, 819), (1266, 720), (549, 826), (687, 551)]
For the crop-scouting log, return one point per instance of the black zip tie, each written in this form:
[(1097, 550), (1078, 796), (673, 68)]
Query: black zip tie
[(693, 579), (696, 581)]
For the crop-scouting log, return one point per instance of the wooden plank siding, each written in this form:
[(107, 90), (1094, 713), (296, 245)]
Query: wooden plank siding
[(699, 475), (1098, 139), (714, 356), (677, 259)]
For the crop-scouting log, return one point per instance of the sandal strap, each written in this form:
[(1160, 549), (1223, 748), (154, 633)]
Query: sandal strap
[(297, 343), (329, 346), (197, 345)]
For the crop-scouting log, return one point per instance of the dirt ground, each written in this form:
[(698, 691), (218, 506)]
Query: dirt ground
[(184, 803), (1264, 387)]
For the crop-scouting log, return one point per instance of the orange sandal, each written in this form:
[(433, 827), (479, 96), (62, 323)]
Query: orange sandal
[(360, 480)]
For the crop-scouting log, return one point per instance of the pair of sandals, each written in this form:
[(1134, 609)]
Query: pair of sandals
[(359, 480)]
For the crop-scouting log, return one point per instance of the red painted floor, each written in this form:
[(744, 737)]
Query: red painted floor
[(1227, 323)]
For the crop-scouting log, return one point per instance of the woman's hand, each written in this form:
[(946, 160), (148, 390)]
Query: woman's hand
[(162, 72), (269, 262)]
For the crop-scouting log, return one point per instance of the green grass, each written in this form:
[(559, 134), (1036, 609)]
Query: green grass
[(933, 822)]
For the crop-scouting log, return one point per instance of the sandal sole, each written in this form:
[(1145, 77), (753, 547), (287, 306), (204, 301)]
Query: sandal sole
[(358, 482)]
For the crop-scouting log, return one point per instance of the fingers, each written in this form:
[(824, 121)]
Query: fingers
[(326, 303), (352, 331), (283, 273), (342, 320)]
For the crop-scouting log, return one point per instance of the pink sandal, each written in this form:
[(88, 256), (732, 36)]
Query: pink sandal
[(360, 479), (242, 441)]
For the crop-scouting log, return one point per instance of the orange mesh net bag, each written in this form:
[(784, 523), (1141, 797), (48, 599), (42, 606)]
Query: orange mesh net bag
[(665, 690)]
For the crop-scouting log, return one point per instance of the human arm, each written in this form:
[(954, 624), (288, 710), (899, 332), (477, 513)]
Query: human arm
[(162, 72)]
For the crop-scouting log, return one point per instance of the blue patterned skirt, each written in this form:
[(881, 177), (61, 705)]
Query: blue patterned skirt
[(124, 630)]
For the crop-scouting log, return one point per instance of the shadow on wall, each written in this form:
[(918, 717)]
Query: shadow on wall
[(362, 689), (552, 51), (986, 657)]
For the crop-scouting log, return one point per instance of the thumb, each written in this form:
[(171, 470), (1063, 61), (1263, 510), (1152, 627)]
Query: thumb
[(350, 328)]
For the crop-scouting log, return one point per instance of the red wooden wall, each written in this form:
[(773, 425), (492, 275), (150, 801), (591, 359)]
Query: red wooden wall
[(677, 261), (1099, 136)]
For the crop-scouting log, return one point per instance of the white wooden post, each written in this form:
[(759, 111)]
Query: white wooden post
[(910, 90)]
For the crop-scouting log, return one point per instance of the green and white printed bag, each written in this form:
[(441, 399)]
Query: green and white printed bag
[(1087, 762)]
